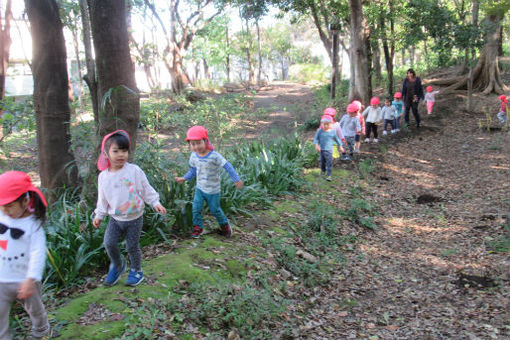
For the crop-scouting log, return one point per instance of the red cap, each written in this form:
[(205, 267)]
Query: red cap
[(330, 111), (198, 132), (352, 107), (358, 104), (103, 163), (374, 101), (429, 89), (397, 95), (502, 98), (13, 184)]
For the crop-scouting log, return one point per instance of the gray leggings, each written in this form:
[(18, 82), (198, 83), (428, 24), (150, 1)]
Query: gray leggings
[(112, 236), (33, 306)]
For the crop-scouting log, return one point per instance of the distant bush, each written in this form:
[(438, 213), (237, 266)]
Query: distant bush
[(305, 73)]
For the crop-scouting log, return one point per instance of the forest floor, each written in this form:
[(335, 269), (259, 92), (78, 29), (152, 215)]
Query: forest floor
[(435, 266)]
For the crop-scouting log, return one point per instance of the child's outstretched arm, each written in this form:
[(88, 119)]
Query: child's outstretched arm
[(233, 175), (101, 206), (316, 141), (192, 172)]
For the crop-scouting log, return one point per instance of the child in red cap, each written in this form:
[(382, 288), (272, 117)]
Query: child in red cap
[(373, 116), (351, 128), (205, 164), (398, 105), (22, 251), (359, 114), (502, 110), (323, 140), (430, 98), (122, 190)]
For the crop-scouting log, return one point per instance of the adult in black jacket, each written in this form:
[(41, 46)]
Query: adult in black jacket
[(412, 92)]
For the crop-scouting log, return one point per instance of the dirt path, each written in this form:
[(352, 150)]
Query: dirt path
[(428, 272)]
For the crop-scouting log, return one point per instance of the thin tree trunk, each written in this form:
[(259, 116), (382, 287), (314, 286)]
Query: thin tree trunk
[(411, 55), (227, 61), (376, 60), (5, 48), (259, 73), (78, 65), (403, 57), (51, 100), (90, 76)]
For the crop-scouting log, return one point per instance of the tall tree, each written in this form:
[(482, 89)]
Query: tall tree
[(180, 33), (90, 76), (117, 91), (5, 46), (51, 99)]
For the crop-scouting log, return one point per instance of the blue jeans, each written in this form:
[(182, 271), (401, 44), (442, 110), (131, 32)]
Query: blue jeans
[(326, 161), (213, 201), (390, 122)]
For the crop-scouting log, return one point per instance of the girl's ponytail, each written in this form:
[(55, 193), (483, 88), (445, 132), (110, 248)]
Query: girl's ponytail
[(37, 206)]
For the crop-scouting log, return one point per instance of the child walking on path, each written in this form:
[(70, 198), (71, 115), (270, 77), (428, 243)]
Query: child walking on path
[(205, 164), (373, 116), (323, 141), (398, 105), (122, 190), (502, 110), (357, 138), (23, 250), (351, 128), (388, 112), (330, 111), (430, 98)]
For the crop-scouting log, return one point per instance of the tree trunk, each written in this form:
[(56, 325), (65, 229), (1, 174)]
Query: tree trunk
[(411, 55), (500, 42), (5, 47), (207, 74), (376, 61), (361, 43), (78, 65), (90, 76), (486, 75), (227, 61), (115, 71), (259, 72), (389, 50), (403, 57), (51, 100)]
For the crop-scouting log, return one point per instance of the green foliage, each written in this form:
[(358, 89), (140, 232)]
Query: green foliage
[(307, 73), (366, 167), (360, 212), (17, 116)]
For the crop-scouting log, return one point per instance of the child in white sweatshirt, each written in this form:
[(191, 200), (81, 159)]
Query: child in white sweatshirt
[(372, 116)]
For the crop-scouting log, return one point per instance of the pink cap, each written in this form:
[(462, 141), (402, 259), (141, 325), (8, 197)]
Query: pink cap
[(502, 98), (397, 95), (374, 101), (358, 104), (103, 162), (13, 184), (330, 111), (429, 89), (198, 132), (352, 107)]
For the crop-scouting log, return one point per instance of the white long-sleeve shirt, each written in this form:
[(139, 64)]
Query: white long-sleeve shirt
[(431, 96), (24, 257), (121, 194), (373, 115)]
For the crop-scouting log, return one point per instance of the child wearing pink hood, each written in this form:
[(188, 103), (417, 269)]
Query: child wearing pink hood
[(502, 110), (122, 190), (205, 164)]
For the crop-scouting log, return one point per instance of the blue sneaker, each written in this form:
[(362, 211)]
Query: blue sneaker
[(134, 278), (114, 274)]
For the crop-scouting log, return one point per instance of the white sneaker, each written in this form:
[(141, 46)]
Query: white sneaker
[(393, 131), (376, 140), (384, 133), (367, 140)]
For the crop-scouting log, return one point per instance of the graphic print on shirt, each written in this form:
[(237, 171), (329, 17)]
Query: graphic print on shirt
[(134, 203), (9, 237)]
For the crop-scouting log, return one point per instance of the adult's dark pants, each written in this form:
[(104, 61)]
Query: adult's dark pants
[(413, 106)]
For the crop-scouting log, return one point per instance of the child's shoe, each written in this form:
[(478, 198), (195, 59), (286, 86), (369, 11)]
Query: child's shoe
[(343, 157), (134, 278), (367, 140), (197, 231), (376, 140), (114, 274), (393, 131), (356, 150), (226, 230), (384, 133), (328, 178)]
